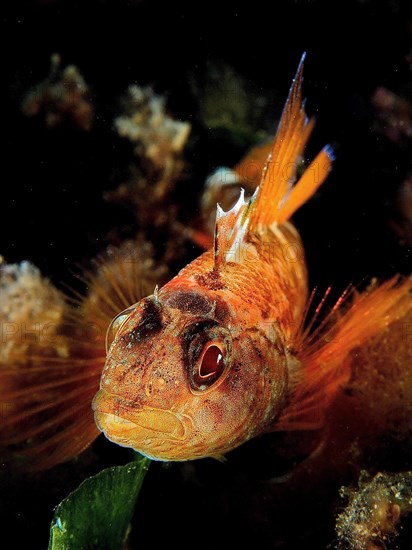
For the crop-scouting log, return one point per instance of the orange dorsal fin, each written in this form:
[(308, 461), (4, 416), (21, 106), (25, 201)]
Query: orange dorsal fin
[(276, 200), (230, 229), (325, 354)]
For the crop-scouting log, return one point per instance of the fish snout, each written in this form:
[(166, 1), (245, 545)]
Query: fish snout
[(139, 428)]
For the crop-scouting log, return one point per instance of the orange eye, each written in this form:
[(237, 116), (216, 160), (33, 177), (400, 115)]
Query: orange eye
[(116, 325), (212, 362)]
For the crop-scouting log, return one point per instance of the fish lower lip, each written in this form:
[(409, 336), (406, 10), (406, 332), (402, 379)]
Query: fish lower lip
[(145, 422)]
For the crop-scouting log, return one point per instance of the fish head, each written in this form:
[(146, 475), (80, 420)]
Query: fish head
[(184, 380)]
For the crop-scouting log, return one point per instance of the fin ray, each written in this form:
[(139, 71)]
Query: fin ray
[(276, 200), (311, 179), (326, 354), (230, 229)]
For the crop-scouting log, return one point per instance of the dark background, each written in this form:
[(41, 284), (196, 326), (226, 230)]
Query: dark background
[(53, 181)]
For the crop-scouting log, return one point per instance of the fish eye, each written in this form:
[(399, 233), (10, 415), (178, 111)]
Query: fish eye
[(211, 363), (210, 367), (208, 351), (116, 325)]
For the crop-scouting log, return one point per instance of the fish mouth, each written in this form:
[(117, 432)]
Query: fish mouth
[(146, 429)]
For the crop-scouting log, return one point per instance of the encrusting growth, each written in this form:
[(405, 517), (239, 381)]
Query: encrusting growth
[(372, 517)]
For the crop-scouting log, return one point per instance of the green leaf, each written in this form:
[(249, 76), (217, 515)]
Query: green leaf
[(97, 515)]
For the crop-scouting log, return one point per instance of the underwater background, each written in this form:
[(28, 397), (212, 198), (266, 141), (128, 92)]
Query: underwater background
[(226, 69)]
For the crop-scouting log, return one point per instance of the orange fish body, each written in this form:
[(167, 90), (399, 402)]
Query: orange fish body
[(206, 363), (203, 365), (221, 353)]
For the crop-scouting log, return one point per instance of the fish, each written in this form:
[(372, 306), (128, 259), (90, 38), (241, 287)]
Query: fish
[(221, 354), (224, 352)]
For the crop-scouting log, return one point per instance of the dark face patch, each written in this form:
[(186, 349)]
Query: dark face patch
[(149, 325), (190, 302)]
